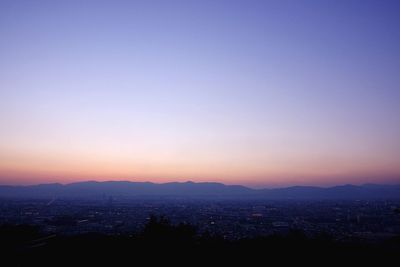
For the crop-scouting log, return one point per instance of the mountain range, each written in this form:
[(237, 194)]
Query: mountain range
[(125, 189)]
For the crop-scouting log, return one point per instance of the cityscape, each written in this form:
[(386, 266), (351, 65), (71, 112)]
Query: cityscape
[(370, 221)]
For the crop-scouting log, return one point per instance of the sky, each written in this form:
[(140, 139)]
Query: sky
[(258, 93)]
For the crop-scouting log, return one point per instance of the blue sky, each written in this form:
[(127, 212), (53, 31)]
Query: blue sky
[(250, 92)]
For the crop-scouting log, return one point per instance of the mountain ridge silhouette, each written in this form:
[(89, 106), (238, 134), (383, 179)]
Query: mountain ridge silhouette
[(96, 189)]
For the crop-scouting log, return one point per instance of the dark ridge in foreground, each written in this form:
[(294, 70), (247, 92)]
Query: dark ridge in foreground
[(92, 189), (173, 244)]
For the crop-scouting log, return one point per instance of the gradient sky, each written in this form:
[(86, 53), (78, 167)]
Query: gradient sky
[(260, 93)]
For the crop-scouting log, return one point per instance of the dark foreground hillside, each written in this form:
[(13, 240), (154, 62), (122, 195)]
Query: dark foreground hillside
[(163, 243)]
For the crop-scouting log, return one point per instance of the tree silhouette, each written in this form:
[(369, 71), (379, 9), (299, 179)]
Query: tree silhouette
[(160, 229)]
